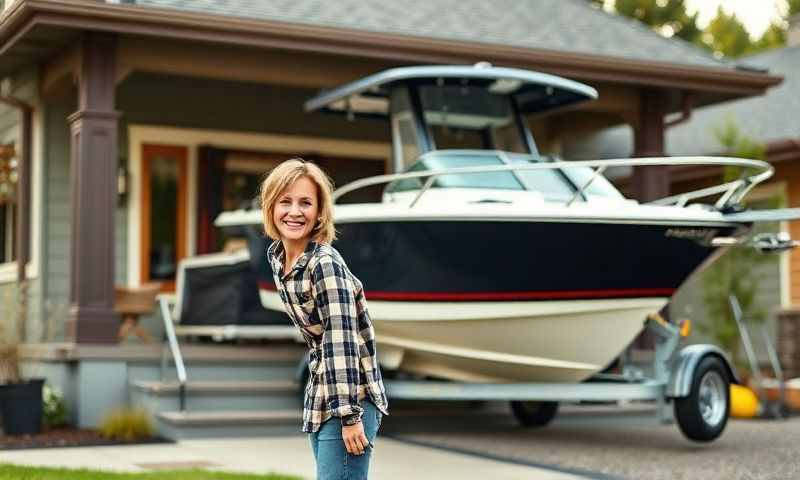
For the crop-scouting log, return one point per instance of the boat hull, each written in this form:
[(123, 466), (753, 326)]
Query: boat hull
[(431, 261), (557, 341), (514, 301)]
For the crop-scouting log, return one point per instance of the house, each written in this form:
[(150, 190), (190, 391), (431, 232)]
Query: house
[(134, 122)]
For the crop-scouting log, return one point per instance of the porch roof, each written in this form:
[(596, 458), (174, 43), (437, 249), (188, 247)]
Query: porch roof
[(576, 41)]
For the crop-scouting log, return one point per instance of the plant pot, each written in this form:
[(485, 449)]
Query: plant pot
[(22, 407)]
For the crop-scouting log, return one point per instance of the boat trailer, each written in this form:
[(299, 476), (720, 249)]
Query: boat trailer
[(691, 385)]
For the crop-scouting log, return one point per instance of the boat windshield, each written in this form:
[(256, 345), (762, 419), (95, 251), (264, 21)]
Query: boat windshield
[(576, 177), (555, 184), (599, 186), (548, 182)]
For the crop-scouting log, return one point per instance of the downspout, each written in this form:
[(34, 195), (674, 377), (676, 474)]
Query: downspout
[(687, 105), (23, 203)]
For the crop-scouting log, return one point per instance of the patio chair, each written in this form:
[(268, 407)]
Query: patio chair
[(130, 303)]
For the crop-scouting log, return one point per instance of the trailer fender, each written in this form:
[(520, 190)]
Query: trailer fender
[(685, 364)]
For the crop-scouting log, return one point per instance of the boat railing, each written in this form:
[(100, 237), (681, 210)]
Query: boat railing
[(732, 192)]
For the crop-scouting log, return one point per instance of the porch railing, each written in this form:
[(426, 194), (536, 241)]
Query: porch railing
[(174, 348)]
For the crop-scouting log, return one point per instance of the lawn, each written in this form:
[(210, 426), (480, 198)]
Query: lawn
[(12, 472)]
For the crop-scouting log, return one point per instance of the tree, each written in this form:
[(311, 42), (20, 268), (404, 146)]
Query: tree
[(726, 35), (668, 17), (792, 7), (775, 35)]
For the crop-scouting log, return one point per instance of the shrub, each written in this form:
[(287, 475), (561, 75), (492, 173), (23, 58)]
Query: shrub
[(54, 409), (126, 424)]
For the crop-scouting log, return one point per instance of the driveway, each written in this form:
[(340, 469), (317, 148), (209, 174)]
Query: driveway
[(610, 442)]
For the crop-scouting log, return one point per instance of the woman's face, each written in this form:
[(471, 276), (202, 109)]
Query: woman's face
[(296, 211)]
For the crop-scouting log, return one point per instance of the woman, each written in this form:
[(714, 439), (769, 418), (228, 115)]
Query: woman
[(344, 398)]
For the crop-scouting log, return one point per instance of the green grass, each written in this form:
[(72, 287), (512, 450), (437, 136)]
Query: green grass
[(12, 472)]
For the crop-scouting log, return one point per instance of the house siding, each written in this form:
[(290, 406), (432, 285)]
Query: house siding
[(57, 210)]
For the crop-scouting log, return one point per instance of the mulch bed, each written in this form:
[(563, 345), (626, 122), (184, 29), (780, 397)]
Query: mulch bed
[(61, 437)]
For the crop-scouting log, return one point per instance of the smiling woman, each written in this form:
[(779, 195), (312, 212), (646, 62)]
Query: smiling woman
[(344, 399)]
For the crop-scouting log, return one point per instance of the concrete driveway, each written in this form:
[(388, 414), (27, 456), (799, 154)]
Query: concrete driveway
[(613, 442)]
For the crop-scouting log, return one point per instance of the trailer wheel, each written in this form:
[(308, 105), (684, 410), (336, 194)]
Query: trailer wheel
[(534, 414), (703, 414)]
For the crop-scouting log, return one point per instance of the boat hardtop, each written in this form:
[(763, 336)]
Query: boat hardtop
[(534, 92)]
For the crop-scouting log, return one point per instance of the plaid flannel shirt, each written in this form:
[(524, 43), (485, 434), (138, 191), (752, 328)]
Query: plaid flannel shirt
[(326, 302)]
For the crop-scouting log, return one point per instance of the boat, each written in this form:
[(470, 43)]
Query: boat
[(486, 261)]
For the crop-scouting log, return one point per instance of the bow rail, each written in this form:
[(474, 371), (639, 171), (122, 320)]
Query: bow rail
[(732, 192)]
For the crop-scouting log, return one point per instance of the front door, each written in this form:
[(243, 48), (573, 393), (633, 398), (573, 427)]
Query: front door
[(163, 235)]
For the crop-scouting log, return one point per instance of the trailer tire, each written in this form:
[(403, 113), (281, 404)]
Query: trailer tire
[(703, 414), (534, 414)]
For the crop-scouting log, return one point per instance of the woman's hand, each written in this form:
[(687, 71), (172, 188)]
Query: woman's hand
[(354, 439)]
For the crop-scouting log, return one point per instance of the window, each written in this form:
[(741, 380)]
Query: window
[(8, 206)]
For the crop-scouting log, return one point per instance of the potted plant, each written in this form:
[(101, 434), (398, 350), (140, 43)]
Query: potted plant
[(20, 398)]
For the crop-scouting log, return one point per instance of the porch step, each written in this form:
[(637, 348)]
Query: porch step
[(221, 371), (220, 362), (178, 425), (219, 386), (207, 396)]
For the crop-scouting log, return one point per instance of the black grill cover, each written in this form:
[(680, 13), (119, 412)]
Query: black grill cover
[(225, 295)]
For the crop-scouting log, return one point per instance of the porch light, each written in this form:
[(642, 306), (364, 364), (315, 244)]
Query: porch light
[(122, 186)]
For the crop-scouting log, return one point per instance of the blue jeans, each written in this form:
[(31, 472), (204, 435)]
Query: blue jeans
[(333, 461)]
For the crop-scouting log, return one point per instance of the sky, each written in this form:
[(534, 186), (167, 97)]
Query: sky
[(755, 14)]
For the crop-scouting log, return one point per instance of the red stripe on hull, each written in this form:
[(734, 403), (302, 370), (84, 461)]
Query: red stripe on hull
[(507, 296)]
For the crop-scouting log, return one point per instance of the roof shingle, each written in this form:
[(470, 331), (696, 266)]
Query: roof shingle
[(558, 25)]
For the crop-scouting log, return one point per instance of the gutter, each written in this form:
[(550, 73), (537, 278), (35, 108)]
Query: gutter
[(207, 27), (23, 185)]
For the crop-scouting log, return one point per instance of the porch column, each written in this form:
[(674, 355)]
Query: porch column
[(650, 183), (93, 148)]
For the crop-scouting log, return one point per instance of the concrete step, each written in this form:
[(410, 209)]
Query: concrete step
[(178, 425), (213, 371), (222, 362), (241, 395)]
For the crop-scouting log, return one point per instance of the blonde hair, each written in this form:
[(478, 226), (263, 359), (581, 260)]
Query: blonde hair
[(284, 175)]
